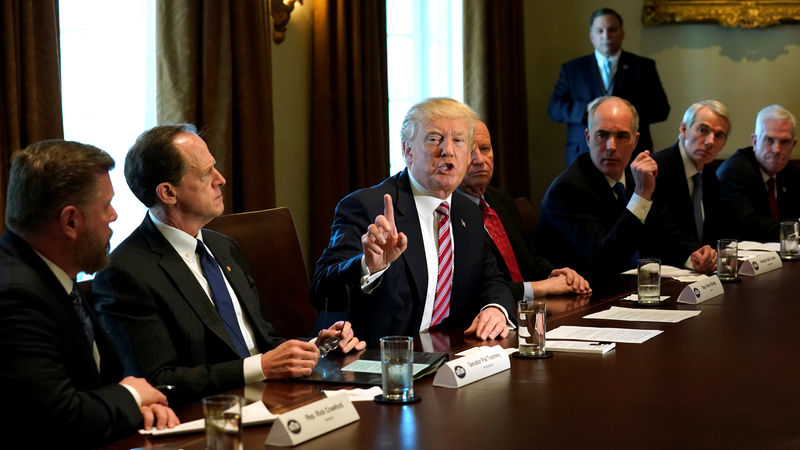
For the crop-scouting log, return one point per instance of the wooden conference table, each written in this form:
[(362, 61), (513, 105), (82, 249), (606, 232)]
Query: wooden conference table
[(728, 378)]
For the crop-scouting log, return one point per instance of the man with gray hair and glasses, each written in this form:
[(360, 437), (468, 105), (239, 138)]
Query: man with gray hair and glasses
[(758, 185), (687, 195)]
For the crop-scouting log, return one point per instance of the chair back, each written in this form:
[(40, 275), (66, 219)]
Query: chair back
[(270, 244)]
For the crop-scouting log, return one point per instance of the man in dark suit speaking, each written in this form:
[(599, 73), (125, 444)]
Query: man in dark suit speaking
[(60, 374), (410, 253), (609, 71), (178, 298), (516, 255)]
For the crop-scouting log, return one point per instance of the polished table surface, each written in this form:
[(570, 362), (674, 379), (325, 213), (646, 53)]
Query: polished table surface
[(728, 378)]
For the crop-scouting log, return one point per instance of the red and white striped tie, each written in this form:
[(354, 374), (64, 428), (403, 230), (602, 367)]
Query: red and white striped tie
[(444, 282)]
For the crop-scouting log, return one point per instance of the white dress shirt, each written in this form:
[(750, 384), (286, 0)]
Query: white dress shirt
[(639, 206)]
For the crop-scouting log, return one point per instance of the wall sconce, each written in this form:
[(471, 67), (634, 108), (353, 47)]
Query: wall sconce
[(281, 10)]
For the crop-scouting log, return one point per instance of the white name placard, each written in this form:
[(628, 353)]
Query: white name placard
[(760, 263), (702, 290), (302, 424), (473, 367)]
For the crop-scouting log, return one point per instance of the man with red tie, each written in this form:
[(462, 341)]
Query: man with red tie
[(516, 255), (410, 253), (758, 187)]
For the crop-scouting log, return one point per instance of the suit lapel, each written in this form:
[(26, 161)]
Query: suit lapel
[(405, 211), (591, 67), (185, 282), (622, 73)]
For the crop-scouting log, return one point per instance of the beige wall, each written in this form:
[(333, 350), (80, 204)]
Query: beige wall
[(291, 93), (744, 69)]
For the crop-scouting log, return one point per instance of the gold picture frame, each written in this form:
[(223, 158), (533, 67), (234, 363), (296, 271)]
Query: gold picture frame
[(741, 14)]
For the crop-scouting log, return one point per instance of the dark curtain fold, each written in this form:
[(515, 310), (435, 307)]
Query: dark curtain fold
[(494, 85), (30, 80), (350, 107), (214, 70)]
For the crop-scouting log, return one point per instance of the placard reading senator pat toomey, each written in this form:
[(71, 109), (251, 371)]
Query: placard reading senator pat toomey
[(473, 367)]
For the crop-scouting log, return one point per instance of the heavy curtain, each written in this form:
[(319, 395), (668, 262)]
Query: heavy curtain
[(214, 70), (30, 80), (350, 107), (494, 85)]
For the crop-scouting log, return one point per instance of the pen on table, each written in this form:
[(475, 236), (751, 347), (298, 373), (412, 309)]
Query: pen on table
[(600, 343)]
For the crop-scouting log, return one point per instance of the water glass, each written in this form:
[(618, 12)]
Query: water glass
[(789, 235), (727, 259), (649, 285), (532, 329), (223, 415), (397, 361)]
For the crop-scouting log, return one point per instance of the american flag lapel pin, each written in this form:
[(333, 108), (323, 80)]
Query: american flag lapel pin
[(463, 224)]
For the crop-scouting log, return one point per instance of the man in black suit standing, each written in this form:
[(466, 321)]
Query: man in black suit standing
[(609, 71), (178, 298), (410, 253), (60, 375), (759, 187), (593, 214), (687, 195), (518, 260)]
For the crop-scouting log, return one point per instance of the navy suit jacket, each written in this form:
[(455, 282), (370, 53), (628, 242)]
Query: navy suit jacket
[(675, 238), (744, 201), (532, 265), (53, 394), (162, 320), (582, 226), (396, 305), (580, 82)]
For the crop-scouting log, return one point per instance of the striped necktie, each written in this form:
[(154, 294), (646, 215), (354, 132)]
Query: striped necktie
[(444, 281)]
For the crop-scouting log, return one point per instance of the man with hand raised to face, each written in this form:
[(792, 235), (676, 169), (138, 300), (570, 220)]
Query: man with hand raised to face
[(410, 253)]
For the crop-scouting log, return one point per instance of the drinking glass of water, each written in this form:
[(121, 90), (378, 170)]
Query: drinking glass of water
[(649, 287)]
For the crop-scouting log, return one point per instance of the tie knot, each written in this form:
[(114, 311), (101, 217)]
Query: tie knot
[(200, 248), (443, 209), (771, 183)]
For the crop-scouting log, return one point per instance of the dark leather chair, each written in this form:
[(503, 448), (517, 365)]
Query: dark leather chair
[(529, 217), (270, 244)]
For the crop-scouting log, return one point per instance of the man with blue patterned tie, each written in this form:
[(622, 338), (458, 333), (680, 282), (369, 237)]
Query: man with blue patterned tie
[(410, 253), (178, 298), (60, 377), (687, 195), (593, 215)]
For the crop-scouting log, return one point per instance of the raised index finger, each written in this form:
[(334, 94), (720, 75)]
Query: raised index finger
[(388, 212)]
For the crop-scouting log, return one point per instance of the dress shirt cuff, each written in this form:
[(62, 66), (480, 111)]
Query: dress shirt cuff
[(136, 397), (688, 264), (639, 207), (251, 368), (369, 281), (509, 323), (527, 291)]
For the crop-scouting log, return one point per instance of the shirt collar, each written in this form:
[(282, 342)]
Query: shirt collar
[(601, 58), (476, 200), (181, 241), (425, 199), (66, 282), (764, 175), (612, 182), (688, 166)]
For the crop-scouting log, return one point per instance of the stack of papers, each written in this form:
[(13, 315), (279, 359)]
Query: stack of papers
[(579, 346), (252, 414), (643, 315), (626, 335)]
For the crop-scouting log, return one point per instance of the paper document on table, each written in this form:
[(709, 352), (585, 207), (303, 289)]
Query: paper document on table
[(643, 315), (625, 335), (580, 346), (763, 246), (671, 272), (356, 394), (253, 414), (372, 366)]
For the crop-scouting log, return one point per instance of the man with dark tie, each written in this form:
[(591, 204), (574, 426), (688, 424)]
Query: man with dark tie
[(178, 298), (516, 255), (758, 185), (687, 195), (60, 377), (593, 214), (410, 253), (609, 71)]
